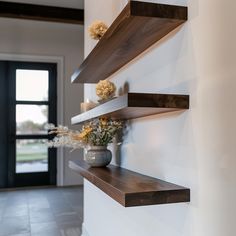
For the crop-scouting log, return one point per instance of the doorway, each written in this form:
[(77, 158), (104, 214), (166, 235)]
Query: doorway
[(29, 102)]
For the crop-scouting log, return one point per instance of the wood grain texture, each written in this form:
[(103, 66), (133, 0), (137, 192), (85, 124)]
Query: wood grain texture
[(135, 105), (41, 13), (130, 188), (138, 26)]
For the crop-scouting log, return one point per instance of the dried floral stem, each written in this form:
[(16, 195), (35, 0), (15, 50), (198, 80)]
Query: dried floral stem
[(98, 132)]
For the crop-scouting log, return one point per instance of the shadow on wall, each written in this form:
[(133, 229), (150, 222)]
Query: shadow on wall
[(149, 146)]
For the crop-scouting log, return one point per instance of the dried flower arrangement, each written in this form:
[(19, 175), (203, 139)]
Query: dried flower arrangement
[(105, 89), (98, 132), (97, 29)]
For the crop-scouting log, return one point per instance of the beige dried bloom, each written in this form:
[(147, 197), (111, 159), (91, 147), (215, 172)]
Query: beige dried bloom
[(105, 89), (97, 29)]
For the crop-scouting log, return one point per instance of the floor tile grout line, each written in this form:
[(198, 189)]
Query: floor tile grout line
[(67, 195)]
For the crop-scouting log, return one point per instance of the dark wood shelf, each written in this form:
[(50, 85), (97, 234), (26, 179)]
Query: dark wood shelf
[(130, 188), (138, 26), (41, 13), (135, 105)]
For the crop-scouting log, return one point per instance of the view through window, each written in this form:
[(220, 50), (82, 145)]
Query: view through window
[(31, 117)]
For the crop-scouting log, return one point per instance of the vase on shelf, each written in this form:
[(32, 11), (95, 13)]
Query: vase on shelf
[(98, 156)]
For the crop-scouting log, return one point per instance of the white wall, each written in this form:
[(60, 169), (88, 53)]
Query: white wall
[(196, 148), (36, 38)]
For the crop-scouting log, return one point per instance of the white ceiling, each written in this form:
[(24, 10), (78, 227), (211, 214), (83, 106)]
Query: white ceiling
[(58, 3)]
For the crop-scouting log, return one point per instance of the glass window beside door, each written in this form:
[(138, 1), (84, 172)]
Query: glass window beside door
[(32, 87)]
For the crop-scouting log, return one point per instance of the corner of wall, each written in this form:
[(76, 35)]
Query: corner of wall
[(84, 230)]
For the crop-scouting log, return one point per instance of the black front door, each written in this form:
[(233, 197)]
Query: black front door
[(29, 102)]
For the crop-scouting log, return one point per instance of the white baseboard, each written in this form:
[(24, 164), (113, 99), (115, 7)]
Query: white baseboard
[(84, 231)]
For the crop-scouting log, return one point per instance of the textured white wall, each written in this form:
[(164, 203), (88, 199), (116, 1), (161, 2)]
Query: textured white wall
[(196, 148), (50, 39), (105, 10)]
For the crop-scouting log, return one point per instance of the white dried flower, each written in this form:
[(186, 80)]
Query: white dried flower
[(49, 126)]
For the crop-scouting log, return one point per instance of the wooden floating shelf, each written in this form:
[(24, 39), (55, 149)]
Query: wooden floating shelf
[(135, 105), (41, 13), (139, 25), (130, 188)]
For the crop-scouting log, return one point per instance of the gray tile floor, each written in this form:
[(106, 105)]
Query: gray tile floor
[(41, 212)]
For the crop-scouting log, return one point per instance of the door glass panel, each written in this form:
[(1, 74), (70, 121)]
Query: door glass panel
[(31, 156), (31, 119), (32, 85)]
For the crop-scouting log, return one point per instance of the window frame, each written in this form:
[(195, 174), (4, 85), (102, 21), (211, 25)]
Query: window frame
[(34, 178)]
